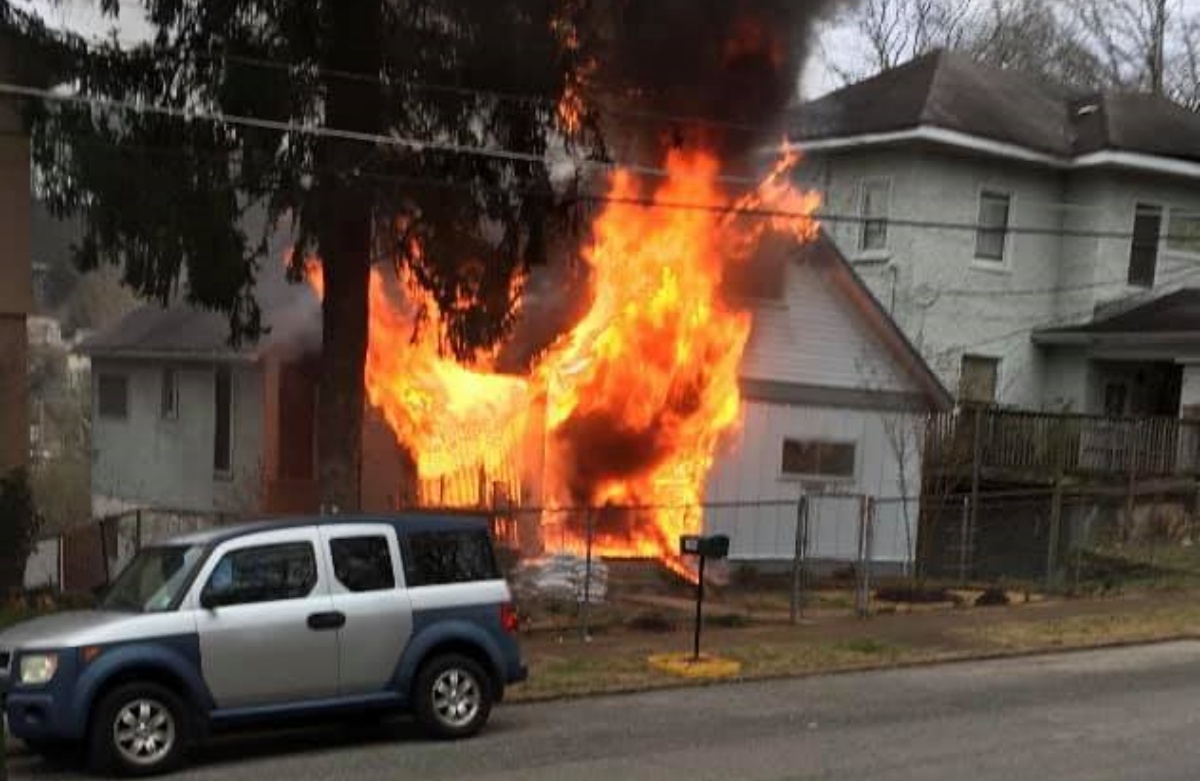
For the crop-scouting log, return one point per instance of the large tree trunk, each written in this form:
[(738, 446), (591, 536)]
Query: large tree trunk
[(345, 238), (345, 252)]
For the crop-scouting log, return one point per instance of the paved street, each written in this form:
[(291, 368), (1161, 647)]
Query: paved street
[(1103, 715)]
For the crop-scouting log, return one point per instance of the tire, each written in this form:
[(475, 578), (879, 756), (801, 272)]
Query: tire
[(454, 697), (138, 729)]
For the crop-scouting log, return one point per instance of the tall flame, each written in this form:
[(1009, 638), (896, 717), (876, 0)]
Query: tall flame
[(637, 395)]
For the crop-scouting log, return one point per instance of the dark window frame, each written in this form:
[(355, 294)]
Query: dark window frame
[(358, 582), (169, 400), (223, 393), (109, 413), (832, 459), (1145, 244), (312, 580), (983, 360), (873, 226), (986, 231), (418, 562)]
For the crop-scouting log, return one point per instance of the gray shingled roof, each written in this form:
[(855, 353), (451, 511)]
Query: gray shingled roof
[(951, 91), (1175, 313), (290, 311)]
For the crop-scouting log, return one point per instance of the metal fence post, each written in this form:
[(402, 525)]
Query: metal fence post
[(104, 551), (584, 631), (798, 559), (962, 540), (137, 531), (865, 535)]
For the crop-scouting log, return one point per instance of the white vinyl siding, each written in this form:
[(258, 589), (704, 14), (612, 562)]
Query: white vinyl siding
[(818, 338)]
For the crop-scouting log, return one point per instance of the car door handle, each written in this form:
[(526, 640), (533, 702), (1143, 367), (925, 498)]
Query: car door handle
[(325, 621)]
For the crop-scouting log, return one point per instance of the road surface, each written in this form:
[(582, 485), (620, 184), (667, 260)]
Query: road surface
[(1123, 714)]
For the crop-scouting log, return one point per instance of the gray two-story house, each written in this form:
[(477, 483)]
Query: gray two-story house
[(1039, 246)]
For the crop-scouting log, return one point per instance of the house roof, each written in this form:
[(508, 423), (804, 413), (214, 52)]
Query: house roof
[(183, 332), (951, 92), (824, 251), (1176, 314)]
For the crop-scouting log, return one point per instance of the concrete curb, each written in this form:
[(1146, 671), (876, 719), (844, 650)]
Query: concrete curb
[(949, 658)]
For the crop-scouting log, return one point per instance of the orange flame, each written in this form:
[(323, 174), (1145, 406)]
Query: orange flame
[(637, 395)]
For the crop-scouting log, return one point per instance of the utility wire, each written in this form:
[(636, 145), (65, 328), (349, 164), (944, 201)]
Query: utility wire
[(1066, 320)]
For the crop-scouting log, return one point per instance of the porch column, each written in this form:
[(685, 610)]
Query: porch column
[(1189, 394)]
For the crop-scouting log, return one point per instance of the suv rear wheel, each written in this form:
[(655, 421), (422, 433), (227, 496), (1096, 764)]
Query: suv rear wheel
[(453, 697), (138, 729)]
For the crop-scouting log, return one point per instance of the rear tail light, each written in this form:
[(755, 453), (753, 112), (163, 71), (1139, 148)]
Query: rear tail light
[(509, 619)]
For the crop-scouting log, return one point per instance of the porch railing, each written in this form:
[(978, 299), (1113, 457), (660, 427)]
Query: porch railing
[(1049, 445)]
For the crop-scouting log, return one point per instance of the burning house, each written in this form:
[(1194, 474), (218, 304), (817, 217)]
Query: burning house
[(704, 348)]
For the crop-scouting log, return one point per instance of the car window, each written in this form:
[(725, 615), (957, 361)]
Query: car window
[(363, 563), (265, 573), (434, 558)]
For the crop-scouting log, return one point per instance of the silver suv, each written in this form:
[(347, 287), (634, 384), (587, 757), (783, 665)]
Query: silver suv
[(262, 622)]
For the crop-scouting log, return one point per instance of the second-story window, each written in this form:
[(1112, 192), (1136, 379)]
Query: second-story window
[(1183, 231), (873, 209), (991, 233), (1143, 250)]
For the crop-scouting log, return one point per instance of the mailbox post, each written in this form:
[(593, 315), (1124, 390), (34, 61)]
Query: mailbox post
[(704, 547)]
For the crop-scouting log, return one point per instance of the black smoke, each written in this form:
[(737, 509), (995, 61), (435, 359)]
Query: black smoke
[(724, 69)]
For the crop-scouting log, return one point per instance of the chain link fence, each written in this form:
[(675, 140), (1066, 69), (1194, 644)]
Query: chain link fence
[(580, 568)]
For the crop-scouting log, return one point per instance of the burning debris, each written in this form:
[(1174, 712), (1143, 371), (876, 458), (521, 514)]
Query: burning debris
[(623, 410)]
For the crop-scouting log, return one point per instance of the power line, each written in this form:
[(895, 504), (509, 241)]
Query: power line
[(323, 131), (1050, 289), (1066, 320), (292, 67), (421, 145)]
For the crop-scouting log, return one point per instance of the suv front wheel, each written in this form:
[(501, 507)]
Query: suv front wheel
[(138, 729), (453, 697)]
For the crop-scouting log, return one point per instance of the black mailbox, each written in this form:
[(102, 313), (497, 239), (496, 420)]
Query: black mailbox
[(713, 546)]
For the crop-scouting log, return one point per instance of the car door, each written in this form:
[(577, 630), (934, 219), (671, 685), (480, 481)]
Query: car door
[(367, 587), (269, 636)]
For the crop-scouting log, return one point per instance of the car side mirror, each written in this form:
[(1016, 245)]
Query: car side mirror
[(211, 599)]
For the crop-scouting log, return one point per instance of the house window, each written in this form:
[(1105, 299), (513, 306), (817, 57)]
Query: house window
[(991, 235), (978, 379), (814, 458), (1143, 251), (873, 208), (112, 396), (170, 394), (1183, 231), (222, 420)]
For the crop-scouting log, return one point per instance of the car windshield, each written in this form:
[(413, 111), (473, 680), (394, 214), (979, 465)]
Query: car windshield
[(153, 580)]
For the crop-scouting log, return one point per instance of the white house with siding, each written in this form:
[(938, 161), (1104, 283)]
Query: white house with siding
[(989, 210), (833, 395)]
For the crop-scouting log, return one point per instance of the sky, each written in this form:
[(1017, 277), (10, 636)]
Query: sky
[(83, 16)]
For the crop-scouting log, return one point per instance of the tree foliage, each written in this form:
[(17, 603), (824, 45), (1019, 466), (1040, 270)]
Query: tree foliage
[(1149, 45), (19, 528), (164, 192)]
